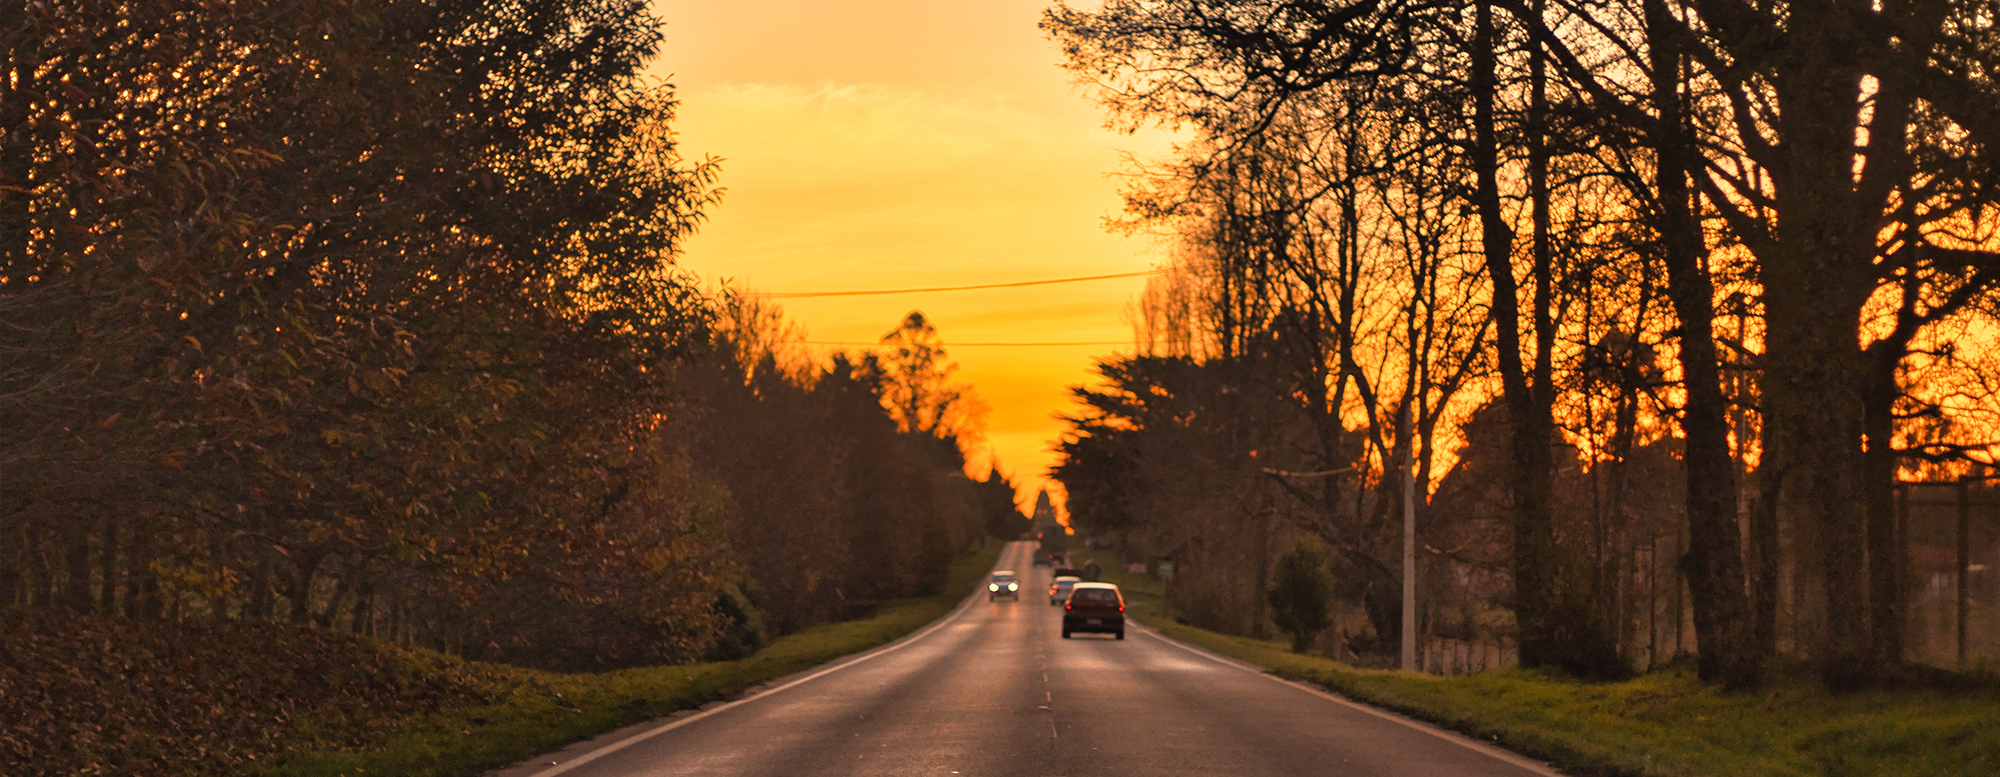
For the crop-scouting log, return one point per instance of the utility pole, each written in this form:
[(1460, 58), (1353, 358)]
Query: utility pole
[(1964, 571), (1409, 544)]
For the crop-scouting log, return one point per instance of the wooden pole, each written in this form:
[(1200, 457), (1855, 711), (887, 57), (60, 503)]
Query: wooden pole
[(1902, 561), (1653, 604), (1409, 544), (1964, 562)]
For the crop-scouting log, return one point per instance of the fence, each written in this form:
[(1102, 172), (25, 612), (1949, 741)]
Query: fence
[(1950, 537), (1451, 657)]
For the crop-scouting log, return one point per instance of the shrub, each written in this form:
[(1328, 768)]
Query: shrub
[(1302, 591)]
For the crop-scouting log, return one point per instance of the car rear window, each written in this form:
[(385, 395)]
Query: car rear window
[(1096, 595)]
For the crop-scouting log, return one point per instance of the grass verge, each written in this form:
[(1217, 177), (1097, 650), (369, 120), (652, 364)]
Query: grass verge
[(1666, 723), (536, 712)]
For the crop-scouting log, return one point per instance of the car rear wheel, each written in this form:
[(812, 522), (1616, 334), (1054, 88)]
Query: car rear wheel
[(1121, 633), (1065, 633)]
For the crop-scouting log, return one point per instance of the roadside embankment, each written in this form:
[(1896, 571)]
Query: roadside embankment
[(1664, 724), (107, 696), (92, 695)]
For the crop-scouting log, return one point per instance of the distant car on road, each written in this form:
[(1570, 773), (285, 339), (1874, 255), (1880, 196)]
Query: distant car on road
[(1094, 607), (1003, 584), (1054, 543), (1059, 592), (1068, 572)]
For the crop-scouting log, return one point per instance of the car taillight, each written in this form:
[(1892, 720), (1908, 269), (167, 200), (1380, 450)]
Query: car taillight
[(1121, 608), (1066, 605)]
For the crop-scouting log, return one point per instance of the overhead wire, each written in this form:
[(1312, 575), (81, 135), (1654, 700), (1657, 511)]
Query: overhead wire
[(1016, 284), (958, 345)]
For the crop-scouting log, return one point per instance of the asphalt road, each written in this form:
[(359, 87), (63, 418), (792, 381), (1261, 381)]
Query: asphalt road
[(994, 690)]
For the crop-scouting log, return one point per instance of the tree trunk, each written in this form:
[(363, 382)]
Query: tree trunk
[(146, 601), (299, 589), (395, 609), (1885, 559), (13, 558), (1532, 535), (1550, 588), (1815, 282), (1259, 604), (1714, 560), (1611, 521), (76, 593), (363, 621), (259, 606), (342, 585), (1764, 537), (107, 599)]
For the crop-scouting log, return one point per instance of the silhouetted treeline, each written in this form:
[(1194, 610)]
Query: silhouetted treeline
[(834, 504), (1748, 251), (364, 315)]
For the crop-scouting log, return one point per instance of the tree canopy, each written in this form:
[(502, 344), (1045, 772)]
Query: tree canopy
[(1758, 234), (370, 320)]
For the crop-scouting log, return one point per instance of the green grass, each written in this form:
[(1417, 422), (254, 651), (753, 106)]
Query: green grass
[(1665, 723), (537, 712)]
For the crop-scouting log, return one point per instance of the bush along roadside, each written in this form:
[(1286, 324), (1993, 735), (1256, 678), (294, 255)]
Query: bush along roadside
[(1665, 724), (543, 711), (108, 696)]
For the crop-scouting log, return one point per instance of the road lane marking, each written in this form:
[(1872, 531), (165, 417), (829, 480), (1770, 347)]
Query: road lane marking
[(614, 747), (1449, 736)]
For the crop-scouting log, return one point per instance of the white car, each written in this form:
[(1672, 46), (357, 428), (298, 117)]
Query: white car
[(1059, 592)]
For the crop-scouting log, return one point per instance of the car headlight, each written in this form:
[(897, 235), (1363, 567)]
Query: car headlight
[(1013, 587), (993, 586)]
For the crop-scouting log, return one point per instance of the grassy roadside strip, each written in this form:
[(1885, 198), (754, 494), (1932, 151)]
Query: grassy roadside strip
[(538, 712), (1665, 723)]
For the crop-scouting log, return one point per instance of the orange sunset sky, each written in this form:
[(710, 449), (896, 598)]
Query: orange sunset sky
[(885, 144)]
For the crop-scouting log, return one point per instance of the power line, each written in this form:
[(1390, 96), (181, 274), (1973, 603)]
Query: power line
[(957, 345), (1320, 474), (798, 295)]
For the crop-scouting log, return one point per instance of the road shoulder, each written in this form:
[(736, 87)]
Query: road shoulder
[(1306, 686)]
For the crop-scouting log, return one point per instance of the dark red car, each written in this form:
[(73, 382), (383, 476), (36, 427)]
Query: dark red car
[(1094, 607)]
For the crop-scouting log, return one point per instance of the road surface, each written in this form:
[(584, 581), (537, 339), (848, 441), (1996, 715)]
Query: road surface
[(994, 690)]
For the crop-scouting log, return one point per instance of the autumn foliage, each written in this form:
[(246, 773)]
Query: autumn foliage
[(369, 321)]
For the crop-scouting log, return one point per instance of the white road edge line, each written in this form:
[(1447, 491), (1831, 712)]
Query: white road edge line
[(1449, 736), (642, 736)]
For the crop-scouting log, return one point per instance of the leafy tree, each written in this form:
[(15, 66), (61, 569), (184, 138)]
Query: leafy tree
[(348, 320), (1168, 457), (831, 508), (919, 385)]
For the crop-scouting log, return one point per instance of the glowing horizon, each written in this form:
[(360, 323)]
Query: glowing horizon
[(890, 144)]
